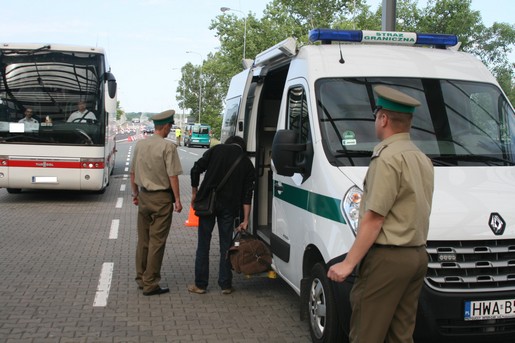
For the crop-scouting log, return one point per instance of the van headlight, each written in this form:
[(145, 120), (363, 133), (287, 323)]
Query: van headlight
[(350, 207)]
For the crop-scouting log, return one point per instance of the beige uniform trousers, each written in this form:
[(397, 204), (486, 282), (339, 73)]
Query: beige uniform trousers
[(155, 211), (384, 298)]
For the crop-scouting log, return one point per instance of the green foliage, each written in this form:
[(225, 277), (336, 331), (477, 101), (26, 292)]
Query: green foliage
[(119, 111), (291, 18)]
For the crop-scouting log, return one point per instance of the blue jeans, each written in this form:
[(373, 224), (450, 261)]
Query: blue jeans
[(225, 220)]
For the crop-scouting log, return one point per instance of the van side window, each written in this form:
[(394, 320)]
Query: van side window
[(231, 117), (298, 116)]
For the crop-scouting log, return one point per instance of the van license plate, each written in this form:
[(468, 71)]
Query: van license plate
[(489, 309)]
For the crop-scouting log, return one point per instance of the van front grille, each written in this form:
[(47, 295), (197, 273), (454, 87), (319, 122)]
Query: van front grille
[(461, 266)]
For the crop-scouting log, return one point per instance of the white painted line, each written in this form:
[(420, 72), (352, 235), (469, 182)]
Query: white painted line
[(122, 187), (113, 233), (128, 159), (127, 163), (126, 169), (119, 203), (104, 284)]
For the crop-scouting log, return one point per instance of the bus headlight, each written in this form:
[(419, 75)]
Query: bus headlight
[(350, 207)]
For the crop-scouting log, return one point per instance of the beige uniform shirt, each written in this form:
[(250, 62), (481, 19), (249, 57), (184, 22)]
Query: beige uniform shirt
[(155, 159), (399, 186)]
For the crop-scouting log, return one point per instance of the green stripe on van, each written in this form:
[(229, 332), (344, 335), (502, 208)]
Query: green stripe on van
[(317, 204)]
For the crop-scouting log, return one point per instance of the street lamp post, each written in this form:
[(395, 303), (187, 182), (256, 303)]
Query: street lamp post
[(181, 105), (199, 82), (225, 9), (181, 118)]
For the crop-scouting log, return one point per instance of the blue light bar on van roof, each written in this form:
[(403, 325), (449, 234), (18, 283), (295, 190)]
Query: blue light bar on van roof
[(385, 37)]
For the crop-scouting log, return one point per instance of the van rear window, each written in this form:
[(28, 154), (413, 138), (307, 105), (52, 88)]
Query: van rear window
[(200, 129)]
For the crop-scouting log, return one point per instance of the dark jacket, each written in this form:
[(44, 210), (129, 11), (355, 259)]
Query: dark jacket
[(216, 162)]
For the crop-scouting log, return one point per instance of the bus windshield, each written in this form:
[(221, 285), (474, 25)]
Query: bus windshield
[(460, 123), (51, 97)]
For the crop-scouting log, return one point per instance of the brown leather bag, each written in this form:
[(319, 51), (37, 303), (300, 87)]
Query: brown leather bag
[(249, 255)]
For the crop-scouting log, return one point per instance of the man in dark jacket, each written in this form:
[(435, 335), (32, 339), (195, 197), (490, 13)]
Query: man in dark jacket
[(232, 201)]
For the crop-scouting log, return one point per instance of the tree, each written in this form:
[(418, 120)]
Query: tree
[(203, 82), (119, 111)]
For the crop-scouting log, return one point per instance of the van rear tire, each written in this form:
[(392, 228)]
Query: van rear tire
[(322, 308)]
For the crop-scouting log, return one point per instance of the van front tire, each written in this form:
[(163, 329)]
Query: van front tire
[(14, 190), (322, 308)]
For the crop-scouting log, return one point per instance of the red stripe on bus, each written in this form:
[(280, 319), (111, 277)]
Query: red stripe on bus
[(51, 164)]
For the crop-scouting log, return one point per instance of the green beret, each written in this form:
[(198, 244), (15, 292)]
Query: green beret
[(163, 117), (393, 100)]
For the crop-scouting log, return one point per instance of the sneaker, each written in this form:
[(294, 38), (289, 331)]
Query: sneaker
[(195, 289), (227, 291)]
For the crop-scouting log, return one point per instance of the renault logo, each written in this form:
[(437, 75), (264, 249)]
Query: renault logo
[(496, 223)]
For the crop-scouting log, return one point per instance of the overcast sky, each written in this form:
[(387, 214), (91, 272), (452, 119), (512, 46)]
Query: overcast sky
[(146, 40)]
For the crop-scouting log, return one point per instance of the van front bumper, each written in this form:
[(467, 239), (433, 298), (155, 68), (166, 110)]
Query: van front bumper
[(440, 318)]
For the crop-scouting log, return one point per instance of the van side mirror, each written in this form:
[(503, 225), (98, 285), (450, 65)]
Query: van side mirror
[(284, 152)]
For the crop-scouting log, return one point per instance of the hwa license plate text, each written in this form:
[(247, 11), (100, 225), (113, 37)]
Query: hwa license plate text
[(489, 309)]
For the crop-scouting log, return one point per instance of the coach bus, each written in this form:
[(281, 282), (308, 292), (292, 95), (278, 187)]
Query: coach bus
[(57, 106)]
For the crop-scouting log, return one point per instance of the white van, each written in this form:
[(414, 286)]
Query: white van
[(306, 115)]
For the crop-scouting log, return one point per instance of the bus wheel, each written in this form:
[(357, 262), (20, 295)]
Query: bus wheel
[(13, 190), (323, 318)]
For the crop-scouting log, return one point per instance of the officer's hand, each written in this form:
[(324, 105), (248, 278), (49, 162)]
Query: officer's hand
[(178, 206), (339, 272)]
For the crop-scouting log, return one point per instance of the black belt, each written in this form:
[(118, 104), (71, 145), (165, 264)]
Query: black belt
[(391, 246), (143, 189)]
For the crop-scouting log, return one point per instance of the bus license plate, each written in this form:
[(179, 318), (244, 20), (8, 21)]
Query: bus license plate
[(44, 179), (489, 309)]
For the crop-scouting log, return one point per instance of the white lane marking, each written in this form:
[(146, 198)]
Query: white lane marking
[(113, 233), (104, 284), (119, 203), (122, 187), (126, 169)]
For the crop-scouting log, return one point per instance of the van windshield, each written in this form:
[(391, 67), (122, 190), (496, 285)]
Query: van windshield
[(459, 123)]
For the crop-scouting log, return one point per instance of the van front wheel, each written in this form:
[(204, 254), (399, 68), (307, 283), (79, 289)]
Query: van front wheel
[(322, 311)]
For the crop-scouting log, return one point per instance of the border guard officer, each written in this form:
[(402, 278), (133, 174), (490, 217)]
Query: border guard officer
[(389, 250), (155, 190)]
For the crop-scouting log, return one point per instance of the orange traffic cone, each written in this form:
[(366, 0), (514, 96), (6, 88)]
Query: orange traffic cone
[(192, 218)]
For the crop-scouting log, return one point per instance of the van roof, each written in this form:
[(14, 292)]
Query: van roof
[(360, 60)]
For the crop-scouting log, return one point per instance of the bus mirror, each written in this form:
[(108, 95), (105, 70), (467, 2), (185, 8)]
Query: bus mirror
[(284, 152), (111, 85)]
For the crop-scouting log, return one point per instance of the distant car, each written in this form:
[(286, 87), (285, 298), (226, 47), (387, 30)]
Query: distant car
[(148, 129), (197, 134)]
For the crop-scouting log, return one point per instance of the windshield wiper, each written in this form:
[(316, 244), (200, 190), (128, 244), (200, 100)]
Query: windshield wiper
[(353, 153), (488, 160), (24, 139)]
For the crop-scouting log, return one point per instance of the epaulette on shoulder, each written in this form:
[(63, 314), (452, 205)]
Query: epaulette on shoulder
[(378, 152)]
